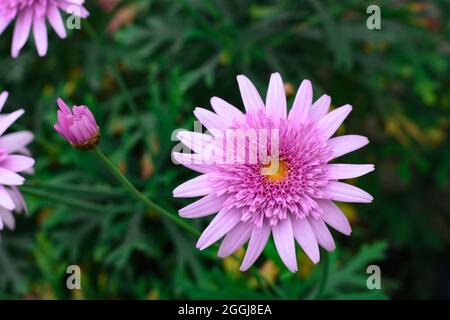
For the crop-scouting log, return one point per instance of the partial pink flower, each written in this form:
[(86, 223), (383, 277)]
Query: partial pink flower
[(33, 14), (14, 160), (288, 193), (78, 126)]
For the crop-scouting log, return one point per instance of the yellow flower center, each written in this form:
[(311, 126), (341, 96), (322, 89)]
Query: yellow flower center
[(275, 172)]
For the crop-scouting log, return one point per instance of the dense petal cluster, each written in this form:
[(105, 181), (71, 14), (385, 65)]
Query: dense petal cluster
[(78, 126), (279, 183), (14, 160), (32, 14)]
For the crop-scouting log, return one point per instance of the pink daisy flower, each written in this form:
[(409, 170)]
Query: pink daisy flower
[(14, 159), (287, 190), (34, 13)]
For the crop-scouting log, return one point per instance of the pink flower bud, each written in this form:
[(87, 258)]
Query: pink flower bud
[(78, 126)]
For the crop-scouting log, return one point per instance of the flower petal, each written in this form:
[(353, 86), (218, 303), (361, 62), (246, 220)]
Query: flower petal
[(333, 216), (40, 35), (17, 198), (211, 121), (4, 23), (8, 219), (256, 245), (197, 142), (192, 161), (235, 239), (323, 235), (276, 97), (305, 237), (76, 10), (226, 111), (302, 102), (345, 144), (199, 186), (284, 241), (10, 178), (3, 98), (344, 192), (332, 121), (203, 207), (348, 171), (8, 120), (21, 31), (223, 222), (320, 108), (250, 96), (63, 107), (5, 199), (55, 20), (16, 141)]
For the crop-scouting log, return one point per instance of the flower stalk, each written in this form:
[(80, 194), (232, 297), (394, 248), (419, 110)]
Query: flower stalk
[(138, 195)]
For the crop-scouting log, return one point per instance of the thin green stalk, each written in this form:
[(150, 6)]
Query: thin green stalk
[(139, 196)]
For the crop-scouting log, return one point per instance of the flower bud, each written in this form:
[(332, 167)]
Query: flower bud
[(78, 126)]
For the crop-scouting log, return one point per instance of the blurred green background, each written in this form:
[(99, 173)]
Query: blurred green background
[(143, 66)]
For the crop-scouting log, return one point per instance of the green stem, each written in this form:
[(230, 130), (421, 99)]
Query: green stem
[(139, 196)]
